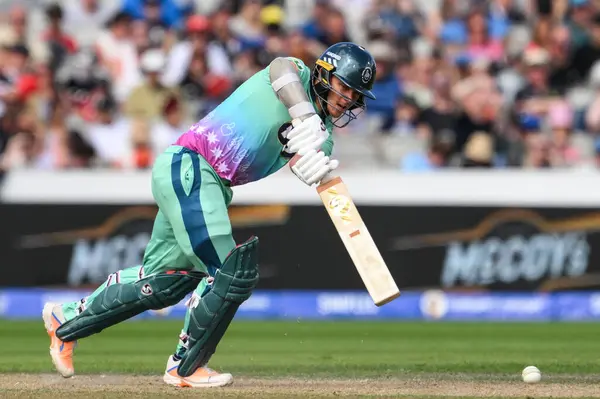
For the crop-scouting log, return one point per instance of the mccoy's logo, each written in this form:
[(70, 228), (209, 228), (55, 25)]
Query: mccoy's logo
[(514, 245), (120, 241)]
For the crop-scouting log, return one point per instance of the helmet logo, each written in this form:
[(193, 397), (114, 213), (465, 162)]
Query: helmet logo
[(367, 74), (334, 56), (330, 61)]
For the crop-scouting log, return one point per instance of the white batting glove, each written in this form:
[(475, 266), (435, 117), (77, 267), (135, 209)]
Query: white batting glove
[(313, 167), (310, 134)]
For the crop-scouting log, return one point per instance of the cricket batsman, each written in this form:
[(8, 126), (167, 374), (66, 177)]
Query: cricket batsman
[(246, 138)]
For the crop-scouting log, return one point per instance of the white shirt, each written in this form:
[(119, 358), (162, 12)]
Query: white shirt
[(86, 26), (112, 142), (163, 135), (123, 53)]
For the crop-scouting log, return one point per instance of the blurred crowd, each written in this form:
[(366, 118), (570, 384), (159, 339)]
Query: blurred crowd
[(460, 83)]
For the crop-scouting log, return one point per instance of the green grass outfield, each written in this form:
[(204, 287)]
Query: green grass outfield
[(333, 350)]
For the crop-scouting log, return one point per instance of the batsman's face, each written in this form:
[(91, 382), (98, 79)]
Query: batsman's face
[(340, 98)]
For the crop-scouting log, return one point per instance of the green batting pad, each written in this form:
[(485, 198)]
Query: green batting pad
[(119, 302), (211, 315)]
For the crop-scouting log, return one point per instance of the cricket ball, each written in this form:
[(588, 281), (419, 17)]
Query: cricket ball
[(531, 375)]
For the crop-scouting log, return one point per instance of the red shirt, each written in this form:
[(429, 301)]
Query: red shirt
[(65, 40)]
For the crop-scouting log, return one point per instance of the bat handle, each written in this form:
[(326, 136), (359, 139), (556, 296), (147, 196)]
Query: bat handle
[(327, 178)]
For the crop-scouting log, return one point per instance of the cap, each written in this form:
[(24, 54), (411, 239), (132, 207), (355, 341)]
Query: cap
[(197, 23), (153, 60), (536, 56), (381, 50), (272, 15)]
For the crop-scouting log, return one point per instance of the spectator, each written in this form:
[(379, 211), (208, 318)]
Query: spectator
[(442, 115), (196, 41), (20, 152), (223, 35), (447, 25), (480, 44), (512, 83), (142, 152), (202, 89), (479, 151), (387, 87), (478, 101), (538, 152), (247, 24), (81, 82), (416, 82), (274, 43), (315, 28), (560, 120), (85, 19), (534, 98), (147, 100), (587, 54), (437, 157), (171, 13), (54, 148), (110, 136), (335, 30), (17, 31), (140, 37), (81, 153), (19, 78), (581, 12), (400, 19), (301, 48), (171, 126), (117, 54), (563, 74), (59, 43), (502, 14), (407, 117), (246, 64), (23, 145), (157, 29)]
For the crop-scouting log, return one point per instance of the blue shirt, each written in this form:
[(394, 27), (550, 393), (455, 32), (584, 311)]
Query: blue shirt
[(172, 14)]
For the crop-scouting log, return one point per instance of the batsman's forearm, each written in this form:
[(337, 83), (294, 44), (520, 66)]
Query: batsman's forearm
[(286, 83)]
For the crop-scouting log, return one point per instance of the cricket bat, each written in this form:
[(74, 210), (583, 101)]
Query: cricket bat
[(358, 241)]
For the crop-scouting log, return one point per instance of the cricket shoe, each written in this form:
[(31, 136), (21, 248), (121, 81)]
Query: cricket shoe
[(60, 351), (204, 377)]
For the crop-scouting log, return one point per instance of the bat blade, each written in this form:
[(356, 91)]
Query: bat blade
[(358, 241)]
